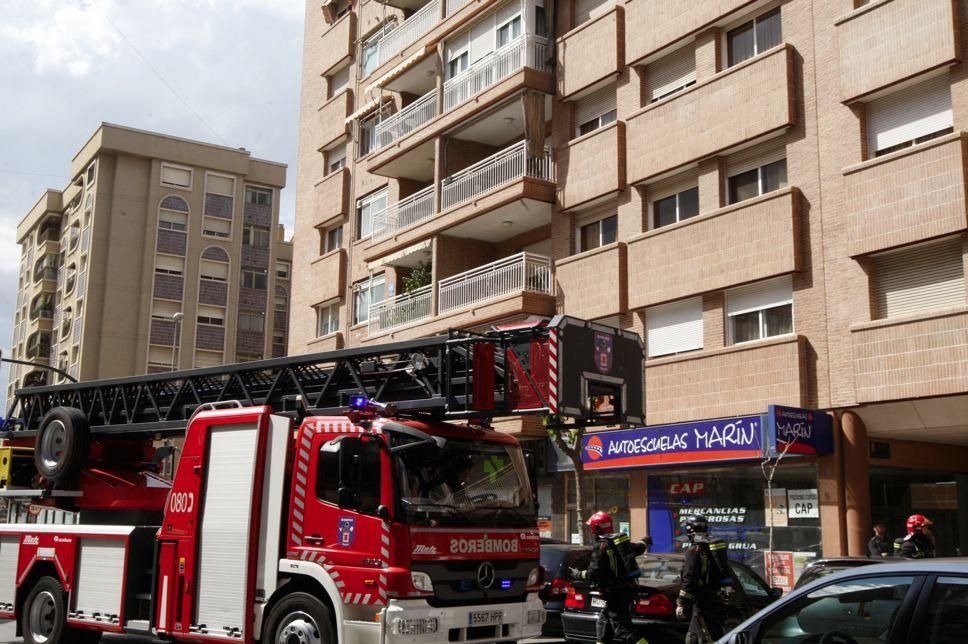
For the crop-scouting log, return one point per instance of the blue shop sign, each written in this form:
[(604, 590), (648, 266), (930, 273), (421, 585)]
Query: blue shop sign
[(810, 432)]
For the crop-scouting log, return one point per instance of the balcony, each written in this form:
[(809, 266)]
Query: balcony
[(335, 46), (331, 196), (911, 357), (45, 273), (591, 53), (700, 254), (594, 165), (409, 32), (471, 292), (909, 196), (331, 119), (735, 380), (652, 25), (583, 289), (523, 51), (882, 43), (693, 124), (507, 166), (328, 276), (407, 120), (403, 214)]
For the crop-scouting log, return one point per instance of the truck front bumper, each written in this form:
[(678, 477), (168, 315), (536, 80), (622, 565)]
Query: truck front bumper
[(414, 621)]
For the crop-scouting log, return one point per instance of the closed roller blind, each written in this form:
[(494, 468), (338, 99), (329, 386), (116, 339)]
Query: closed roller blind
[(671, 73), (169, 263), (910, 113), (759, 295), (925, 278), (585, 10), (595, 104), (754, 157), (674, 328)]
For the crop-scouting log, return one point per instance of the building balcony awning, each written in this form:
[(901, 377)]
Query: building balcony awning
[(401, 68)]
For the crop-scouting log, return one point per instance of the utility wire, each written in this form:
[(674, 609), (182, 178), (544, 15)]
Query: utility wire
[(158, 74)]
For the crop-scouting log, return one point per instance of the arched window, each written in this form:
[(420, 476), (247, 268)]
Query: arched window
[(67, 322), (71, 279)]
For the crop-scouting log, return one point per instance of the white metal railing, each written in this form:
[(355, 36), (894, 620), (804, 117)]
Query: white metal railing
[(524, 51), (496, 170), (521, 272), (416, 207), (454, 5), (409, 31), (405, 121), (400, 310)]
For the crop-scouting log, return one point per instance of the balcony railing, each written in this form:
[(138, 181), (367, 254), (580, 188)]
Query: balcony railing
[(453, 6), (400, 310), (496, 170), (523, 51), (521, 272), (38, 351), (405, 121), (416, 207), (46, 273), (409, 31)]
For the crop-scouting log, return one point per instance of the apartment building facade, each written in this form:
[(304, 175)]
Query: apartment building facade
[(771, 193), (160, 254)]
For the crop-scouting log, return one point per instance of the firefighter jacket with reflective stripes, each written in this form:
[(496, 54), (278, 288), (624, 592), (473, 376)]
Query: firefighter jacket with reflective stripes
[(613, 565), (914, 546), (705, 571)]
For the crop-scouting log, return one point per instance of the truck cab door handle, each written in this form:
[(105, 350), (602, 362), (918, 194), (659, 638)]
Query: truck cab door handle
[(314, 539)]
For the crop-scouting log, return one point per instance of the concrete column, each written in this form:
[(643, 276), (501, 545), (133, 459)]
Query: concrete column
[(830, 487), (712, 194), (708, 54), (638, 504), (857, 483)]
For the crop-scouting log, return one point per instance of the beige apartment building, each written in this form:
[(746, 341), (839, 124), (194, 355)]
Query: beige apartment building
[(773, 194), (151, 226)]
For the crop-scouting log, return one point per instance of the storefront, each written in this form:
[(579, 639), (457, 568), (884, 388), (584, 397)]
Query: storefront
[(721, 470)]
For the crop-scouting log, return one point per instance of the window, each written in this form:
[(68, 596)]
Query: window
[(247, 357), (327, 319), (365, 478), (540, 20), (330, 240), (208, 358), (254, 278), (215, 227), (336, 159), (751, 584), (598, 233), (91, 172), (595, 110), (176, 176), (219, 184), (671, 74), (366, 293), (918, 279), (910, 116), (283, 270), (757, 181), (458, 64), (675, 327), (761, 310), (169, 220), (252, 321), (366, 208), (947, 618), (162, 310), (859, 609), (585, 10), (753, 37), (368, 132), (169, 265), (371, 48), (255, 236), (258, 196), (211, 315), (212, 270), (675, 208), (338, 81), (508, 31)]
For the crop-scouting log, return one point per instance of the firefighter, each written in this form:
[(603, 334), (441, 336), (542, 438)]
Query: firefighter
[(880, 545), (918, 543), (612, 571), (706, 578)]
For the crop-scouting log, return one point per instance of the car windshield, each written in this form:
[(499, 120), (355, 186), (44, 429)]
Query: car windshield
[(661, 570), (465, 484)]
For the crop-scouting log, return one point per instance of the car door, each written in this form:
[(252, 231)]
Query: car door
[(756, 594), (943, 619), (870, 609)]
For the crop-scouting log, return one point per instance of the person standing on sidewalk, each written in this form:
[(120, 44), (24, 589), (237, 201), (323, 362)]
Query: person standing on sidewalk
[(706, 576), (879, 545)]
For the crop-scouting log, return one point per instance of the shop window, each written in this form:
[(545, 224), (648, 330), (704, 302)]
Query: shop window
[(761, 310), (598, 233), (754, 37)]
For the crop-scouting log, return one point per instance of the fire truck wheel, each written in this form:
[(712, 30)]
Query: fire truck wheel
[(42, 619), (299, 618), (62, 443)]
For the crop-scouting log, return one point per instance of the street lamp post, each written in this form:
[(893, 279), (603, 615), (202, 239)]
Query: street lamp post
[(176, 344)]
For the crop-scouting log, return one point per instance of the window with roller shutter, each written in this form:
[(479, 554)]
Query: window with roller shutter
[(760, 310), (909, 116), (919, 279), (674, 328), (585, 10), (671, 74), (595, 110)]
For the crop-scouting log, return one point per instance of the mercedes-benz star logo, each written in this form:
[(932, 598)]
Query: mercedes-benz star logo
[(485, 575)]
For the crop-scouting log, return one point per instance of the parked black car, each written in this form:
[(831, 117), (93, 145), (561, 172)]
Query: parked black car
[(823, 567), (654, 607), (556, 559)]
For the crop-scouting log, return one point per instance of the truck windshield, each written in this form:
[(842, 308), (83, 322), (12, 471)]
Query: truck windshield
[(465, 484)]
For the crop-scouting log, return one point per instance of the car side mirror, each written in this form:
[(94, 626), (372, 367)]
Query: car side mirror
[(383, 512), (775, 593)]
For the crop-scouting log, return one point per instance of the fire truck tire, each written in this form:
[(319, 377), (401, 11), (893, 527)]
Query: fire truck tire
[(62, 442), (299, 618), (43, 619)]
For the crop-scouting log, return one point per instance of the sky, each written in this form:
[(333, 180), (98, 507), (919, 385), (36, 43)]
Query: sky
[(221, 71)]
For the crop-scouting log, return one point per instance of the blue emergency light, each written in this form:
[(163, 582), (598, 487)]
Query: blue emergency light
[(358, 402)]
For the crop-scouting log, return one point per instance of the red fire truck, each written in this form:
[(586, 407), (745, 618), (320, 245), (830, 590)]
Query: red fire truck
[(351, 496)]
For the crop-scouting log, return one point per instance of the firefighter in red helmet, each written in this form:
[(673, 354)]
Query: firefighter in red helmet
[(918, 543), (612, 571)]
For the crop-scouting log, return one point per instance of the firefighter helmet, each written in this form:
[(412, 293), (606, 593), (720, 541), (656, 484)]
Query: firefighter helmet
[(695, 525), (600, 523), (916, 523)]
